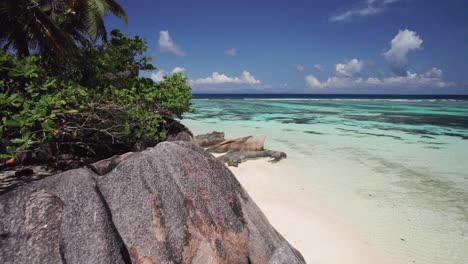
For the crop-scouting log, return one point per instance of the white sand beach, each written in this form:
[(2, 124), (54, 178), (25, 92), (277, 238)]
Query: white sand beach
[(300, 216)]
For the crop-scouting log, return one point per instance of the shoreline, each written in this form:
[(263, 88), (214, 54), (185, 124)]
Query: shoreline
[(298, 210), (301, 217), (388, 199)]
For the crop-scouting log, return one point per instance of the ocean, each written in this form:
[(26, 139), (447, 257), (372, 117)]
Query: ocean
[(394, 166)]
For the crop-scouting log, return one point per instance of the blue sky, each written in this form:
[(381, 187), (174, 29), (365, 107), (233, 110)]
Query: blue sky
[(299, 46)]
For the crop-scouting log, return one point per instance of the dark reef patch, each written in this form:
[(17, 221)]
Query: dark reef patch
[(313, 132), (416, 119), (369, 134)]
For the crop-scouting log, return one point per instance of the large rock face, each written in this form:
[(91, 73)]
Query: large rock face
[(254, 143), (210, 139), (233, 158), (61, 219), (174, 203)]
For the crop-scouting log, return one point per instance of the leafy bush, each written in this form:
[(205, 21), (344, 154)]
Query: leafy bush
[(30, 104), (98, 109)]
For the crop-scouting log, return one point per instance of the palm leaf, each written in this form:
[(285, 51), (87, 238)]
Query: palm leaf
[(54, 28)]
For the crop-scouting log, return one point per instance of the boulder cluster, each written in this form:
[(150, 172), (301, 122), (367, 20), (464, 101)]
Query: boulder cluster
[(237, 150)]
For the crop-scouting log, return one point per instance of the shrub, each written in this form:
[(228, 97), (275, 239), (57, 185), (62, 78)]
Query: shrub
[(98, 109)]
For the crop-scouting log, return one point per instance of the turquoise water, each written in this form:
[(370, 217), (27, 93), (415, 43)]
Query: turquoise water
[(428, 119), (396, 168)]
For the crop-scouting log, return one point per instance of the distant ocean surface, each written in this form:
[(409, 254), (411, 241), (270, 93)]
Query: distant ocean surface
[(424, 115), (332, 96), (396, 165)]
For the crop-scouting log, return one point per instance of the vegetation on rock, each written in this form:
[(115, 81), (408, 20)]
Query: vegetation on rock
[(89, 108)]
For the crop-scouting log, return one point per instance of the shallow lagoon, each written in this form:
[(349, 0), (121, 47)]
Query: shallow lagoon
[(395, 169)]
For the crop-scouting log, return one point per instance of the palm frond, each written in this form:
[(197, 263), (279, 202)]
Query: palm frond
[(117, 10), (56, 29)]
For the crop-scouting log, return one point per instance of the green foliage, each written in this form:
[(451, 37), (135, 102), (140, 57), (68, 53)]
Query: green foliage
[(74, 96), (174, 94), (32, 103), (55, 29), (117, 61), (103, 108)]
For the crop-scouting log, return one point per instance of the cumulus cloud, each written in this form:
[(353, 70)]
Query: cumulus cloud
[(158, 76), (404, 42), (318, 67), (231, 52), (166, 44), (365, 9), (177, 70), (357, 74), (349, 68), (433, 73), (300, 67), (313, 82), (217, 78), (429, 79)]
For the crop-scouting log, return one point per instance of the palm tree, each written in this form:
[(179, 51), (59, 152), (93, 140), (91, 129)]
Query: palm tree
[(54, 29), (87, 17), (26, 27), (95, 10)]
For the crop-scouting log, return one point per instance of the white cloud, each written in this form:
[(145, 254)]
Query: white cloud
[(157, 76), (231, 52), (433, 73), (365, 9), (356, 74), (217, 78), (249, 78), (300, 67), (313, 82), (166, 44), (177, 70), (350, 68), (429, 79), (404, 42), (319, 67)]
